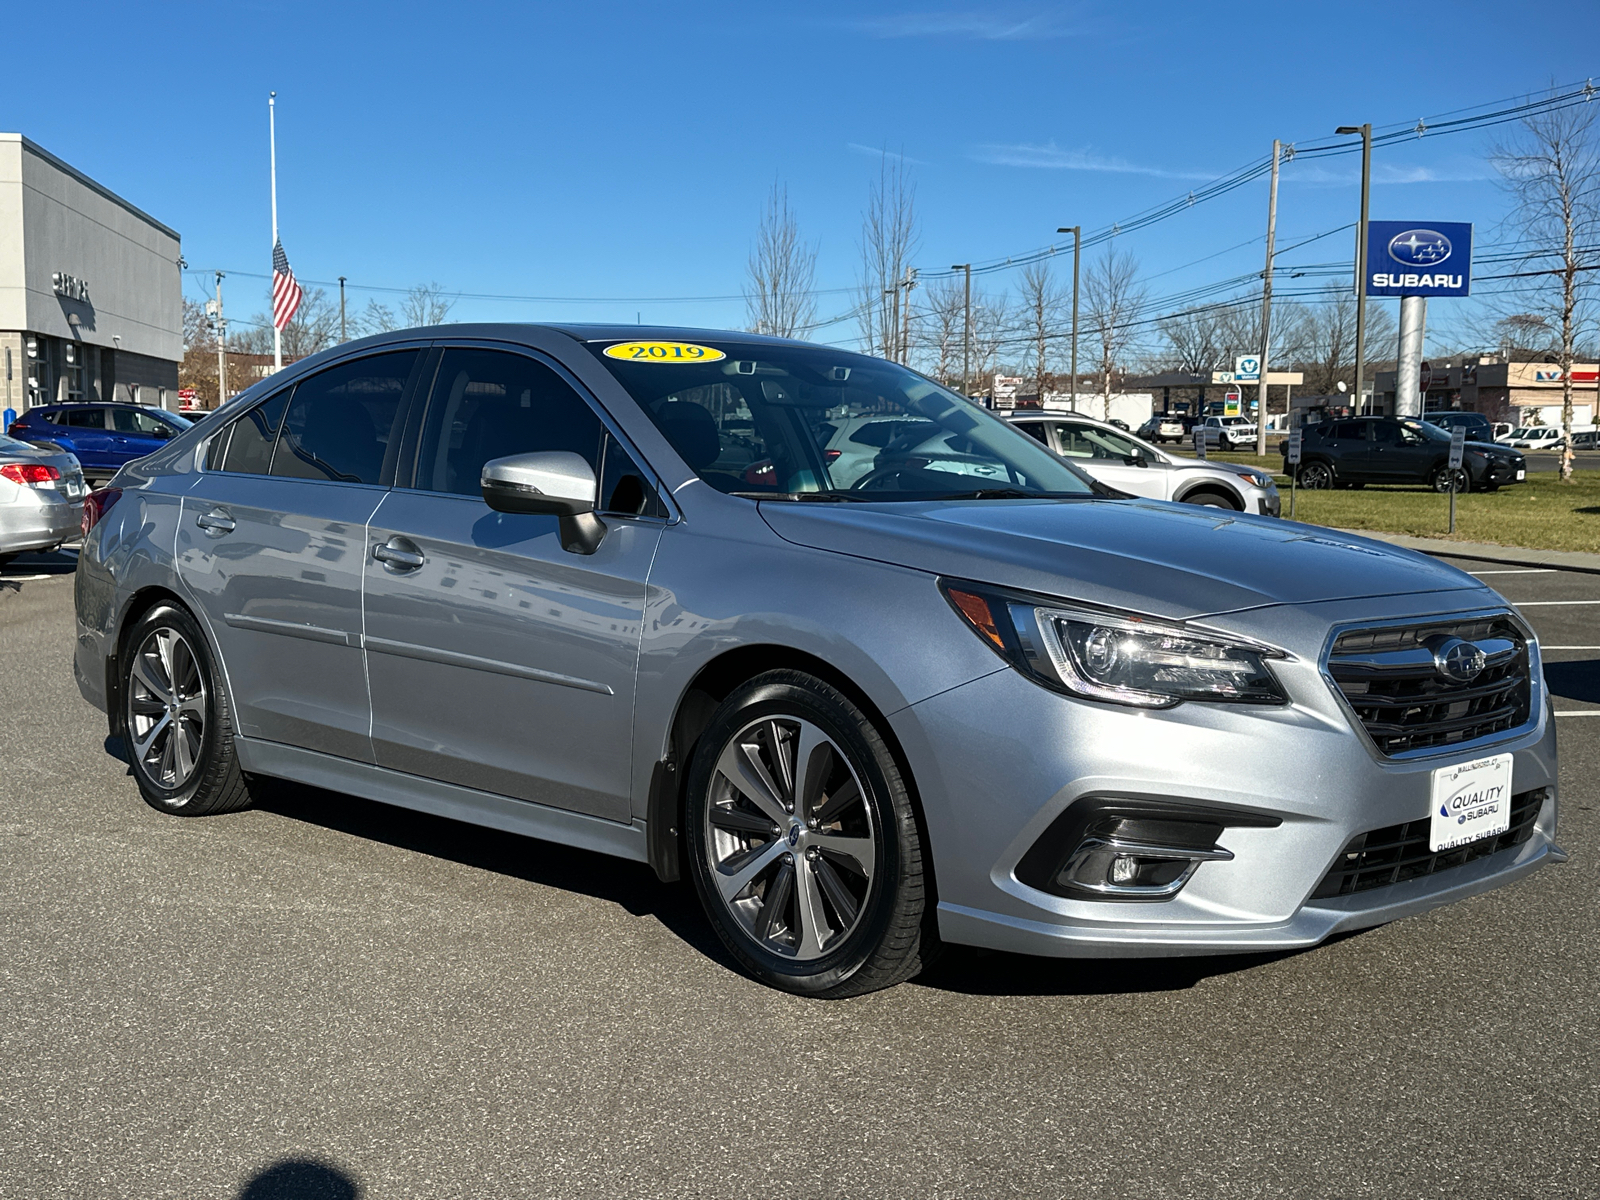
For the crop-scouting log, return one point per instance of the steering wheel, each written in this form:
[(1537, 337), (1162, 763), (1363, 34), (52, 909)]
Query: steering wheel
[(873, 477)]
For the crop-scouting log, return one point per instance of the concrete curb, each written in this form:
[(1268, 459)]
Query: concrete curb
[(1513, 556)]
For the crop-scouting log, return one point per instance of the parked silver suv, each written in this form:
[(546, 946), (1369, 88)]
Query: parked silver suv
[(602, 586)]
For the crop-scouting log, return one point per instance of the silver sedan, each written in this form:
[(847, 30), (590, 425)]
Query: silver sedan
[(41, 496)]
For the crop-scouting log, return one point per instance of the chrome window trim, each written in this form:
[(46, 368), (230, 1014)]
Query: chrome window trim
[(1456, 750)]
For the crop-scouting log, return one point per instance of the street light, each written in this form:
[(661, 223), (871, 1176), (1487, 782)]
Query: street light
[(1077, 241), (1361, 251)]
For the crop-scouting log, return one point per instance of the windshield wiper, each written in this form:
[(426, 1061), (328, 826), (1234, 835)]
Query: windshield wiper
[(841, 497), (1009, 494)]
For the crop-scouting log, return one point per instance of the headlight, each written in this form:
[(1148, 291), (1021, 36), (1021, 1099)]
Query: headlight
[(1123, 659), (1264, 482)]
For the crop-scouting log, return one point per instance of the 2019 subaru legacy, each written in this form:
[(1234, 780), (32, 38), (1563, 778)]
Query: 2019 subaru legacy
[(531, 577)]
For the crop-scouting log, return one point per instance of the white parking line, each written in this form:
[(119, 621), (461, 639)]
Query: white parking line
[(29, 578), (1520, 571), (1569, 647), (1593, 712), (1549, 603)]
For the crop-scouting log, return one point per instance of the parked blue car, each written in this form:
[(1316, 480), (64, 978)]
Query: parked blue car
[(103, 436)]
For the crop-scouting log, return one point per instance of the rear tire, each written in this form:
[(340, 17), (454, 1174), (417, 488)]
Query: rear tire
[(1316, 476), (803, 841), (175, 719)]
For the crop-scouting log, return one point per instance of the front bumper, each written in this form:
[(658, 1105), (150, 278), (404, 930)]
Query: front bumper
[(999, 759)]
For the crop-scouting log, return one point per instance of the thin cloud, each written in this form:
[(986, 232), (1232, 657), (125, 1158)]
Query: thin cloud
[(986, 26), (1054, 158), (881, 152), (1382, 173)]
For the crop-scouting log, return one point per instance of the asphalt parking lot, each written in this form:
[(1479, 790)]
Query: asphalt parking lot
[(327, 998)]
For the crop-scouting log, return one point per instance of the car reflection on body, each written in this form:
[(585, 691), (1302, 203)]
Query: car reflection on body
[(520, 575)]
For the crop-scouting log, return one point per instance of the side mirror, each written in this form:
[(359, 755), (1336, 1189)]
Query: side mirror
[(557, 483)]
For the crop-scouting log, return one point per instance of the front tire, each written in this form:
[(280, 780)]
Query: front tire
[(803, 842), (1441, 480), (176, 723)]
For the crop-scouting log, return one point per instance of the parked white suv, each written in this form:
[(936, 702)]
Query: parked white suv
[(1229, 432), (1132, 465)]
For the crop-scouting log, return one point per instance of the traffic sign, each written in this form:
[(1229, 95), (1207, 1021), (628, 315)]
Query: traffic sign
[(1296, 437), (1247, 368), (1427, 377), (1458, 446), (1199, 441)]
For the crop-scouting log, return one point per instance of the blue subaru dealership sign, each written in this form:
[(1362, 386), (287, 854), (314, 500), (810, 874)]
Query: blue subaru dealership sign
[(1416, 258)]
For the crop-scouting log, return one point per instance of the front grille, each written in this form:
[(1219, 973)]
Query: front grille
[(1404, 703), (1399, 852)]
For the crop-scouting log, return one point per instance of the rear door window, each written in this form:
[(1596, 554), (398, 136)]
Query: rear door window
[(1349, 431), (248, 448), (342, 423), (82, 418)]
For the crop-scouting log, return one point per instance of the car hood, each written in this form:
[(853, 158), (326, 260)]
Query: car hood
[(1168, 560)]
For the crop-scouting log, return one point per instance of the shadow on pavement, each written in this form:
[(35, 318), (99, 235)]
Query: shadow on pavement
[(970, 971), (633, 886), (1578, 681), (301, 1179)]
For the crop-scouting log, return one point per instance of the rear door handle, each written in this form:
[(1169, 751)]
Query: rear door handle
[(399, 554), (216, 522)]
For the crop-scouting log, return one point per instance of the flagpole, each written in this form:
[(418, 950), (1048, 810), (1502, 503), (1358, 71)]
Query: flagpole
[(272, 140)]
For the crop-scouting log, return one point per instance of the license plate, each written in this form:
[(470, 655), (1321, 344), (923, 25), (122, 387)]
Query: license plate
[(1470, 801), (1521, 475)]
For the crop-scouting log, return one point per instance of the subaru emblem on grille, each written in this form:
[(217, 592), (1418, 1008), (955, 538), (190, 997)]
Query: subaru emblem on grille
[(1458, 661)]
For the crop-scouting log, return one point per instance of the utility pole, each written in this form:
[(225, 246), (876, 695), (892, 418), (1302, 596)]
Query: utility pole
[(966, 333), (890, 350), (905, 316), (222, 347), (1077, 244), (342, 335), (1361, 253), (1266, 303)]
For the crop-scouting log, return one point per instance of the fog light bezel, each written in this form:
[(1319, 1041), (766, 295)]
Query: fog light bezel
[(1072, 858)]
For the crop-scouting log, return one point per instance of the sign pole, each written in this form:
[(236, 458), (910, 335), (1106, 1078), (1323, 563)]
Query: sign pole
[(1408, 398), (1296, 438), (1458, 447)]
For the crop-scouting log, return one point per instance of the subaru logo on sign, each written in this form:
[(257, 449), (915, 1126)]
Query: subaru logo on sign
[(1459, 661), (1419, 248)]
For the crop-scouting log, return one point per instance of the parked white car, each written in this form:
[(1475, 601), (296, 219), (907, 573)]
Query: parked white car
[(1132, 465), (1536, 437)]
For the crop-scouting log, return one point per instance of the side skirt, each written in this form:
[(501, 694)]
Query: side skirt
[(442, 799)]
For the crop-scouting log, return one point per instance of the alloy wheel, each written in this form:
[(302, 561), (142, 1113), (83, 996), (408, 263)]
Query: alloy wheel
[(1315, 476), (166, 709), (790, 838)]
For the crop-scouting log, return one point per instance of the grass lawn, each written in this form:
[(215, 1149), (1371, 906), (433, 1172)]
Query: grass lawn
[(1540, 514)]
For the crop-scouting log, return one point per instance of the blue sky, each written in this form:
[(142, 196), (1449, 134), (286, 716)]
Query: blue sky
[(622, 151)]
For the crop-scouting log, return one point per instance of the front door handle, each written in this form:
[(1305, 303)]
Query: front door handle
[(399, 554), (216, 522)]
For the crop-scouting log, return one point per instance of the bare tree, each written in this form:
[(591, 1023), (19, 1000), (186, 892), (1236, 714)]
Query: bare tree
[(1042, 302), (991, 324), (888, 241), (1551, 170), (315, 327), (1113, 299), (778, 299), (425, 304), (1326, 348), (374, 318), (941, 322)]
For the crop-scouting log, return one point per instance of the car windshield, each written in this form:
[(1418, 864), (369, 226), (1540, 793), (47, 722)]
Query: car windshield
[(799, 422), (1519, 432), (1431, 432)]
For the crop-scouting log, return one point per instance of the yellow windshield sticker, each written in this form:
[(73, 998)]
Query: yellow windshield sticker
[(664, 352)]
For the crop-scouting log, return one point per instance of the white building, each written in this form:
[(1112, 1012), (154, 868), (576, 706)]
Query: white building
[(91, 296)]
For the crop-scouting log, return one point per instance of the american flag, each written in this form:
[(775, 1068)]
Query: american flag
[(286, 293)]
